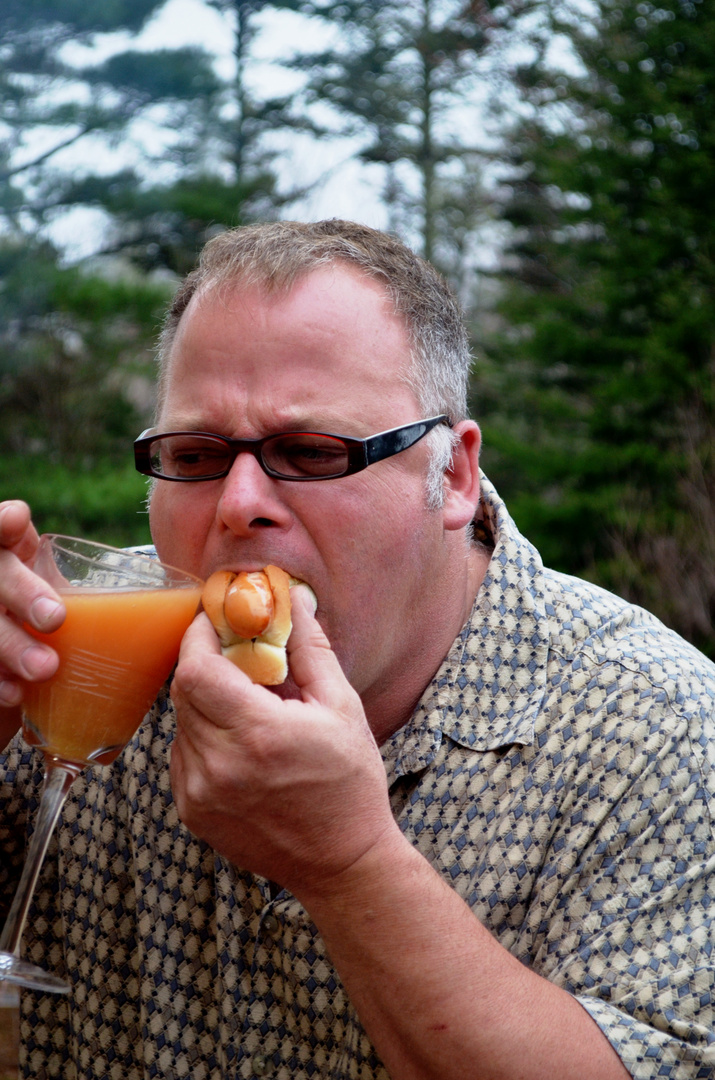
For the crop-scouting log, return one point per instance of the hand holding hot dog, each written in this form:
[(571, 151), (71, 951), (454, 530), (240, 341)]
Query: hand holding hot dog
[(251, 613), (294, 790)]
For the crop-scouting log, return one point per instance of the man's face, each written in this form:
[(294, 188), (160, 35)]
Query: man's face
[(328, 356)]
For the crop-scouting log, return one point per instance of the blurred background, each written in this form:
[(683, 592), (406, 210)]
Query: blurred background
[(553, 158)]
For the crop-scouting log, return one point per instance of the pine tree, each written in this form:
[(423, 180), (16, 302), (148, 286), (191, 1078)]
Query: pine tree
[(400, 77), (599, 395), (49, 104), (75, 343)]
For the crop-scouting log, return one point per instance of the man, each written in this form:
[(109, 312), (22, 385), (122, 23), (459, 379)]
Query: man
[(472, 836)]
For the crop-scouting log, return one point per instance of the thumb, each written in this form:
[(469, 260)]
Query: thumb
[(313, 664)]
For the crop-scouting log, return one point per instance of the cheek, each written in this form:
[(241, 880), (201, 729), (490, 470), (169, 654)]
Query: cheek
[(179, 521), (375, 536), (376, 559)]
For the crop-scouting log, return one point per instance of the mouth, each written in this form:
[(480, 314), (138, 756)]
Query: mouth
[(254, 567)]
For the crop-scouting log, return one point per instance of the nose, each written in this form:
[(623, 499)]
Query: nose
[(251, 500)]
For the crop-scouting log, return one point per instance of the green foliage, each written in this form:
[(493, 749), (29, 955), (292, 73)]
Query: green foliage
[(162, 75), (76, 369), (102, 503), (76, 343), (76, 385), (163, 227), (608, 315), (38, 89), (204, 135), (26, 17)]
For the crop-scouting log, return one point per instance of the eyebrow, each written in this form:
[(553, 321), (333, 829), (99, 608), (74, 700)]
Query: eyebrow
[(285, 425)]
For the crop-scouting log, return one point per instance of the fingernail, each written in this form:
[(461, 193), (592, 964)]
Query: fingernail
[(35, 661), (42, 610)]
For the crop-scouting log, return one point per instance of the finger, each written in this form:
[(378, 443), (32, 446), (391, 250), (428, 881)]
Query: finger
[(26, 598), (199, 644), (313, 664), (199, 638), (17, 533), (208, 683), (23, 658), (10, 694), (23, 593)]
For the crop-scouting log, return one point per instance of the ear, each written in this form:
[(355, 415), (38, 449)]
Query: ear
[(461, 481)]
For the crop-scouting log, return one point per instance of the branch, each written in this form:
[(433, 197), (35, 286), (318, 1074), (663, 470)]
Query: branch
[(9, 173)]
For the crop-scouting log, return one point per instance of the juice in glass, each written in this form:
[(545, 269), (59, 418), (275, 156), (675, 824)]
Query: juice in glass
[(116, 648)]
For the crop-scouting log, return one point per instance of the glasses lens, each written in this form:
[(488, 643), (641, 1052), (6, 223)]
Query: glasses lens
[(189, 457), (306, 455)]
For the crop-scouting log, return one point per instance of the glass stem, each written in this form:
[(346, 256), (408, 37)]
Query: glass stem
[(58, 781)]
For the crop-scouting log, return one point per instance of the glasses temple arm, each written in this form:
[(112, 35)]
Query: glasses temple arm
[(388, 443)]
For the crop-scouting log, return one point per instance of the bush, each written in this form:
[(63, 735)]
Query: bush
[(104, 503)]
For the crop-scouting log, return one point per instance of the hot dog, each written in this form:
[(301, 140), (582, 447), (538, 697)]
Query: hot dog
[(250, 612)]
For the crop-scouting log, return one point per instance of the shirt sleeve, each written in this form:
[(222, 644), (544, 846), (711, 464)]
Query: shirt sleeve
[(631, 930), (664, 1046)]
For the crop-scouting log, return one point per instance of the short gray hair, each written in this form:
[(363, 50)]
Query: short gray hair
[(274, 255)]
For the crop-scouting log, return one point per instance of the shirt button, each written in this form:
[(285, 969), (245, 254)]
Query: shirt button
[(271, 924), (261, 1064)]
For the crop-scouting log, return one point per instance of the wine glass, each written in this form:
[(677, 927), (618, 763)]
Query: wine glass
[(126, 616)]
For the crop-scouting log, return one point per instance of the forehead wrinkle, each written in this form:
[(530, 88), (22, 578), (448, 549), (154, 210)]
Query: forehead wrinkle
[(242, 401), (280, 420)]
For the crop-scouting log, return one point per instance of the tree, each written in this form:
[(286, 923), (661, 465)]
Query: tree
[(76, 385), (205, 166), (403, 78), (49, 105), (75, 365), (608, 340), (75, 356)]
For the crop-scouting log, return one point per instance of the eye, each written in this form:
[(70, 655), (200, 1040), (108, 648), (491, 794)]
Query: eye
[(305, 454), (189, 456)]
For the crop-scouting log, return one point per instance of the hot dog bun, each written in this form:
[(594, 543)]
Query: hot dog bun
[(250, 612)]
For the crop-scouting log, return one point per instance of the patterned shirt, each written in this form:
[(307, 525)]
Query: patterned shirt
[(558, 773)]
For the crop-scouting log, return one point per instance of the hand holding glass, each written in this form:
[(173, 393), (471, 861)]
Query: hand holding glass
[(126, 616)]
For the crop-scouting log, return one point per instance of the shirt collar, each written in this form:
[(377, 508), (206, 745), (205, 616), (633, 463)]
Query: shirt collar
[(488, 690)]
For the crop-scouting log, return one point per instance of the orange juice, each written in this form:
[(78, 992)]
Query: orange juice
[(116, 648)]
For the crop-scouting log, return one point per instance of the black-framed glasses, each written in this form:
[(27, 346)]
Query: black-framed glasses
[(188, 456)]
